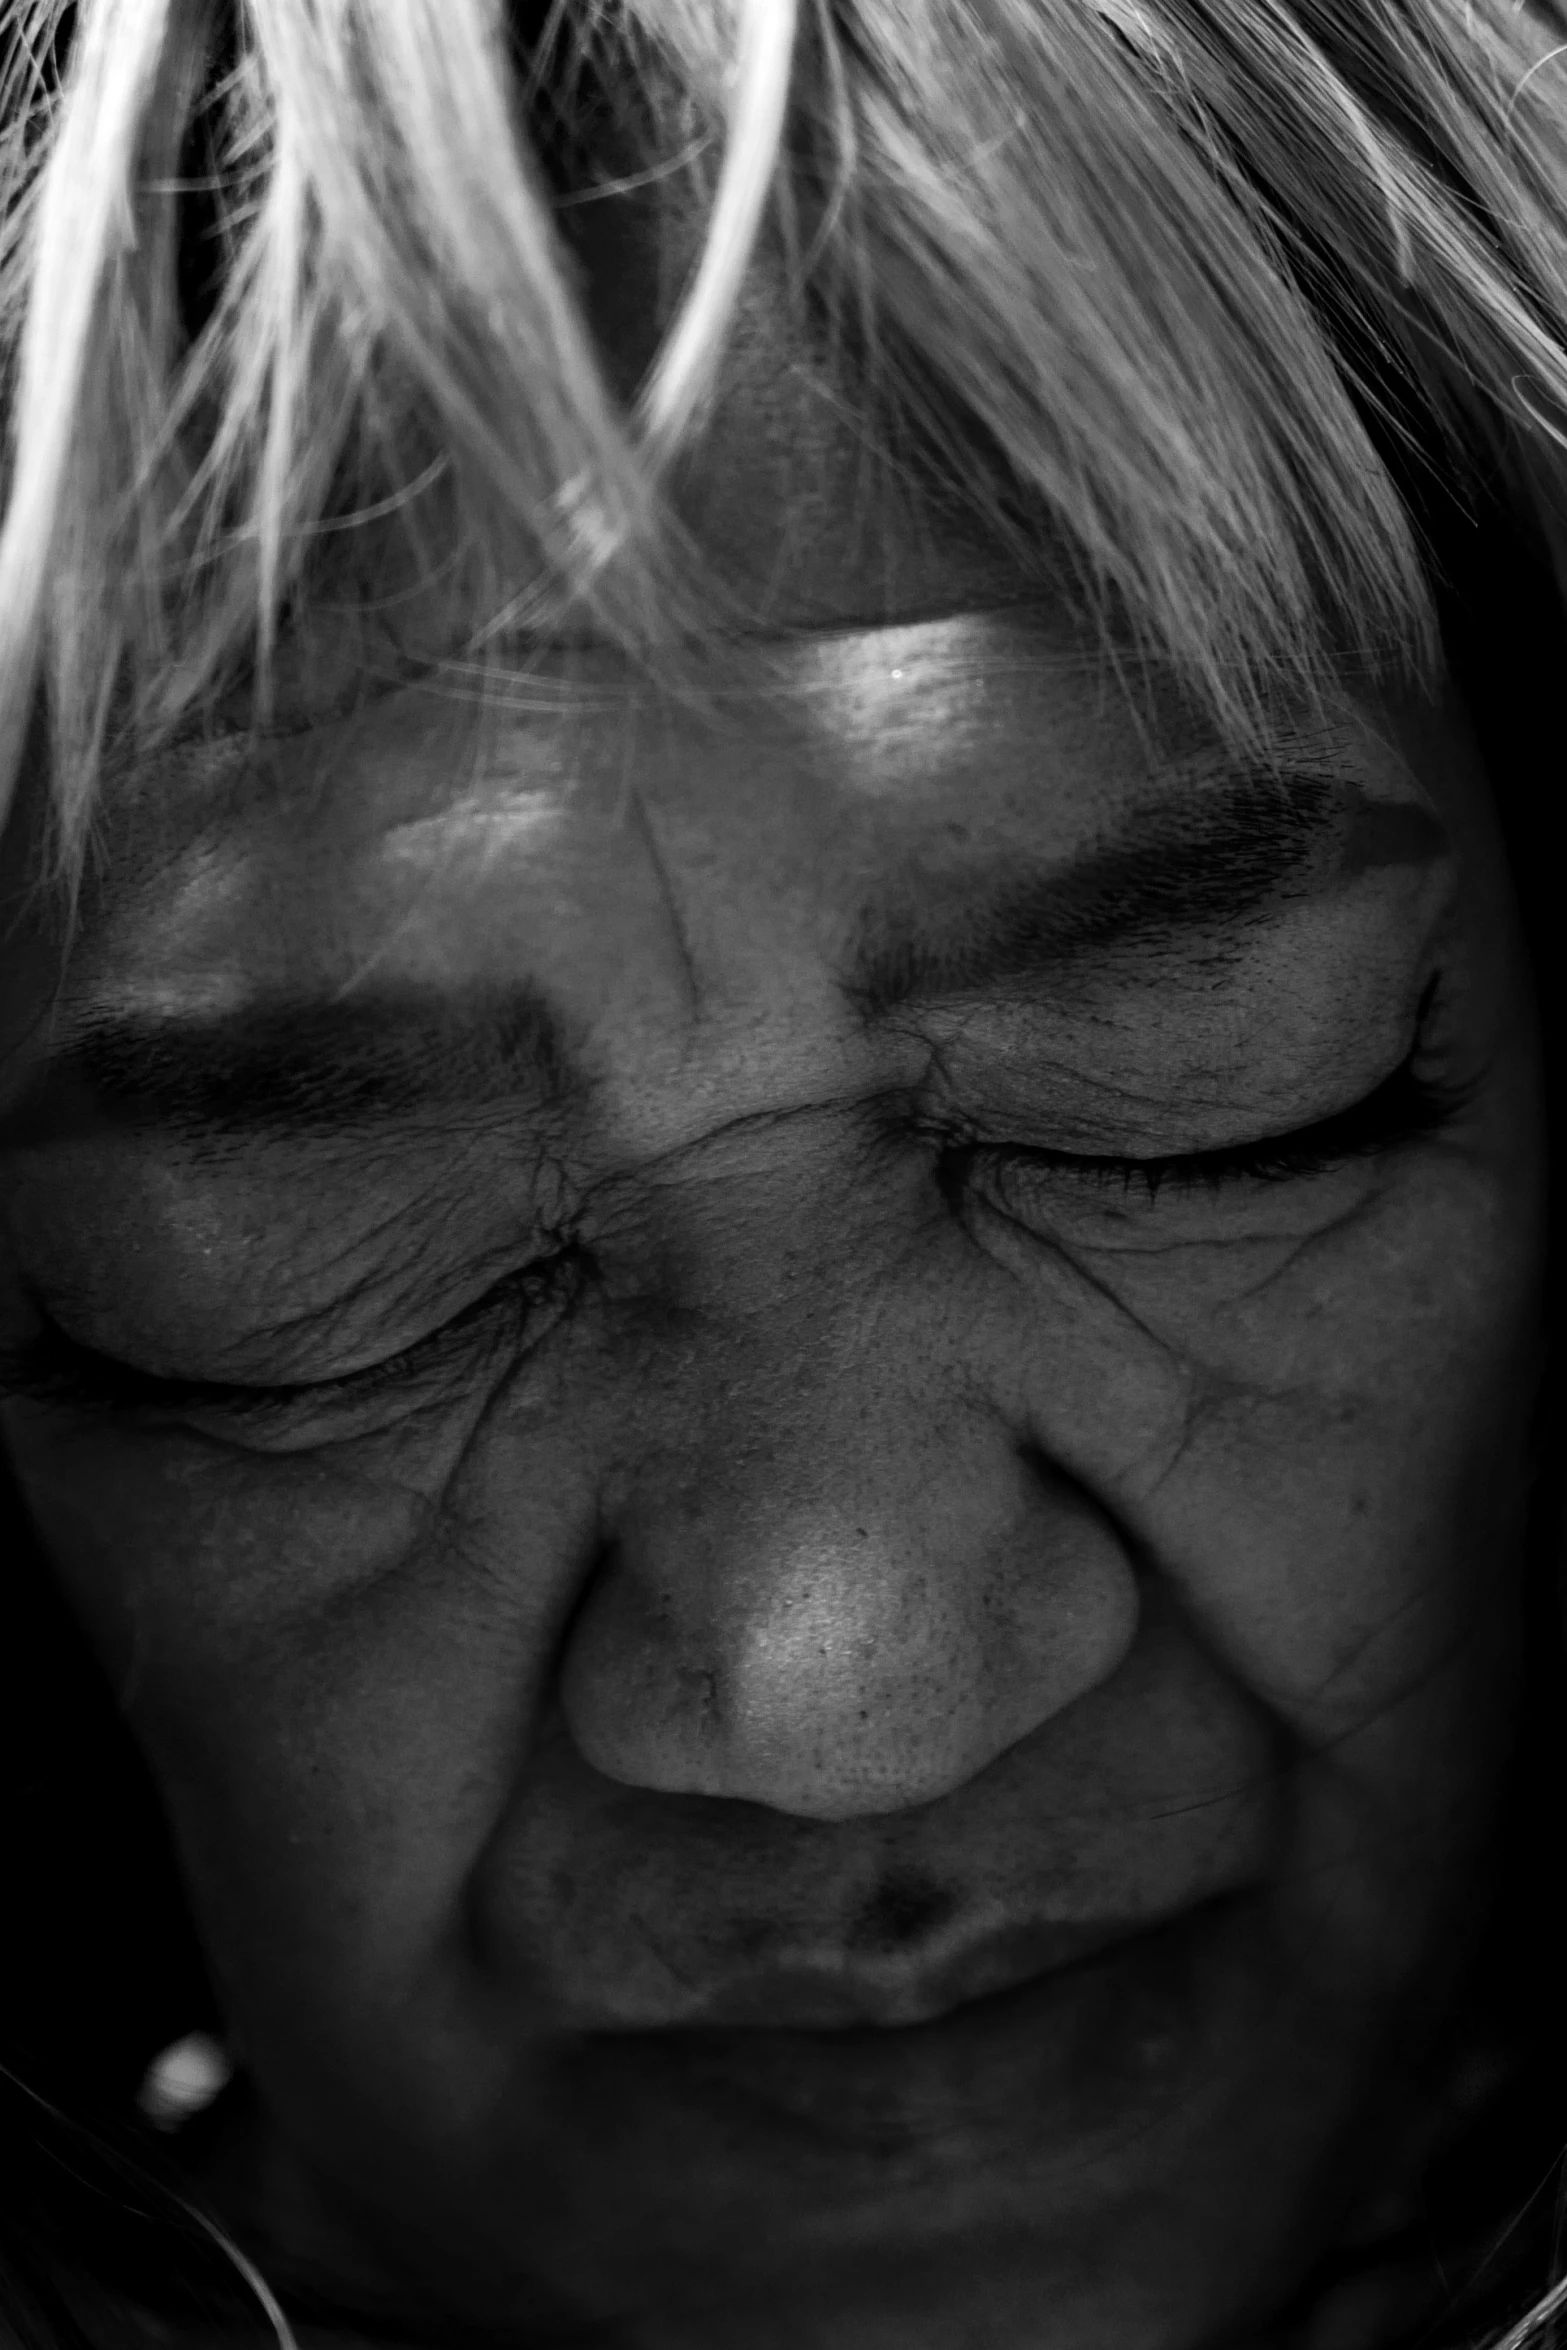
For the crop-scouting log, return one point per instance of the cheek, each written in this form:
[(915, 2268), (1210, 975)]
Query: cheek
[(1319, 1438), (335, 1687), (1322, 1450), (1326, 1465), (1346, 1506)]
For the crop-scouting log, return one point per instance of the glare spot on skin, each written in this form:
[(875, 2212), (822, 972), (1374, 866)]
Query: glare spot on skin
[(481, 827)]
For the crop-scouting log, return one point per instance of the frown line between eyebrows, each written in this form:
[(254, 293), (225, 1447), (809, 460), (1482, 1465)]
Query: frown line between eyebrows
[(1179, 872)]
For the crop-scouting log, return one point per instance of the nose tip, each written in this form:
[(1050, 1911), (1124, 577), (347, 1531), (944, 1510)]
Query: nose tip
[(854, 1687), (851, 1670)]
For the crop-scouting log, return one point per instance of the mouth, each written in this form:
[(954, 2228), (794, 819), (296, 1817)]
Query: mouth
[(952, 2063), (848, 1994)]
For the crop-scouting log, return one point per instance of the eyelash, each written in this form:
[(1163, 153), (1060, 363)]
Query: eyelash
[(1402, 1109), (52, 1367)]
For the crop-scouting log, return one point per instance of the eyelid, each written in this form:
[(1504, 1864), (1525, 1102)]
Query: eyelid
[(1400, 1109), (53, 1366)]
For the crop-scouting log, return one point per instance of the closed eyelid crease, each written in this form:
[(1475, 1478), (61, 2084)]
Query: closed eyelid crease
[(53, 1366), (1402, 1109)]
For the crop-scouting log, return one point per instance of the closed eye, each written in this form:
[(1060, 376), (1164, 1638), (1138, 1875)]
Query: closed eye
[(52, 1367), (1400, 1110)]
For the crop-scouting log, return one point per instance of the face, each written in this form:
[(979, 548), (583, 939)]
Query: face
[(794, 1419)]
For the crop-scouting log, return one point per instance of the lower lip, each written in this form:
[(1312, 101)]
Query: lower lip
[(1089, 2046)]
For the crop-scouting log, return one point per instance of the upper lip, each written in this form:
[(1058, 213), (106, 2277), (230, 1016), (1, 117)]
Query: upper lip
[(827, 1992)]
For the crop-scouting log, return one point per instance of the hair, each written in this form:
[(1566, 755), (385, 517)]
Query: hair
[(1248, 311), (1174, 280)]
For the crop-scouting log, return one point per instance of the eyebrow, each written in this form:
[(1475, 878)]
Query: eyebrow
[(1172, 874), (296, 1067)]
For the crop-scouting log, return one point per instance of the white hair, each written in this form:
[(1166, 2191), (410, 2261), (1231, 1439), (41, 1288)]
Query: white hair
[(1168, 277)]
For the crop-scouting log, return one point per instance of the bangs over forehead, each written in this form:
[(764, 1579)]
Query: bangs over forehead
[(290, 287)]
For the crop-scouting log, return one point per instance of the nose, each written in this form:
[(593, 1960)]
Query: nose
[(845, 1597)]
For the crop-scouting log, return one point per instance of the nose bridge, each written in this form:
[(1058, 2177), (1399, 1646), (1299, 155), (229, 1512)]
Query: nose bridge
[(839, 1581), (813, 1376)]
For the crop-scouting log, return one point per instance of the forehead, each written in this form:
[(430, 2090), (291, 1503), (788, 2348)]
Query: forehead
[(835, 773), (791, 507), (900, 694), (893, 678)]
